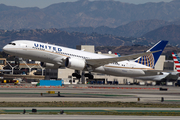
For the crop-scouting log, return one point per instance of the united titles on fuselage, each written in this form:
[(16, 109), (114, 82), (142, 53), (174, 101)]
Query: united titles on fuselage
[(46, 47)]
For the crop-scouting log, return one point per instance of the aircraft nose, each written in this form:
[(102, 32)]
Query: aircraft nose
[(8, 49), (5, 48)]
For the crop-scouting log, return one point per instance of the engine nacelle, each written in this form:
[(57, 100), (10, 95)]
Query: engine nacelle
[(49, 65), (74, 63)]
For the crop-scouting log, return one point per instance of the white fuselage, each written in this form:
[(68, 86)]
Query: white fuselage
[(57, 54)]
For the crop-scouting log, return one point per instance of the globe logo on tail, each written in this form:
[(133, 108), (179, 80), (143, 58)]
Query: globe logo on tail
[(147, 60)]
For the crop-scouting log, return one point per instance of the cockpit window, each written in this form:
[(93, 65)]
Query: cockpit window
[(12, 43)]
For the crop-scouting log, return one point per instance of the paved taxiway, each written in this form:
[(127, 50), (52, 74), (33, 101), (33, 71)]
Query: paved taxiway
[(84, 117), (90, 94)]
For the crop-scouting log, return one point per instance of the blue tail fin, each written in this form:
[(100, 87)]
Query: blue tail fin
[(117, 55), (151, 59)]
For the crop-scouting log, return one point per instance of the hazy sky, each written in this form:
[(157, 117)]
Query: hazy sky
[(45, 3)]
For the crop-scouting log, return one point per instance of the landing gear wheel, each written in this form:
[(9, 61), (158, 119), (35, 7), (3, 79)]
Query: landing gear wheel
[(76, 75), (90, 76)]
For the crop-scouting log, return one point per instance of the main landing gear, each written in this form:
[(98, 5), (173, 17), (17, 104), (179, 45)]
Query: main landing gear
[(78, 76), (89, 75)]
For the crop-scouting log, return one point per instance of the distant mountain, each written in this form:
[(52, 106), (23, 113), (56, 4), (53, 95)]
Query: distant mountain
[(170, 32), (132, 29), (63, 38), (84, 13), (105, 42), (138, 28)]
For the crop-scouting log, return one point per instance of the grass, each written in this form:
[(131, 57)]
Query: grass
[(94, 112), (102, 113), (88, 104), (127, 113)]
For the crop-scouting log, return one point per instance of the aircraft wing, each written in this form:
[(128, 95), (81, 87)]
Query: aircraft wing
[(101, 62)]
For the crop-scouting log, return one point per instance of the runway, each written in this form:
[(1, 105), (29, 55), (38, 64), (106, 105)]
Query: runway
[(84, 117)]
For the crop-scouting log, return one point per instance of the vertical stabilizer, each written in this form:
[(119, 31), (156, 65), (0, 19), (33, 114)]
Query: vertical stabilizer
[(117, 55), (176, 61), (151, 59)]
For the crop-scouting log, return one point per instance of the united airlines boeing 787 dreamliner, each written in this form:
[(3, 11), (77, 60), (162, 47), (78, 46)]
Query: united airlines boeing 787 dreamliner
[(57, 56)]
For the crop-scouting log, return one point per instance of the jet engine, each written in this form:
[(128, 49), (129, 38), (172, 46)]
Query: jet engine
[(49, 65), (74, 63)]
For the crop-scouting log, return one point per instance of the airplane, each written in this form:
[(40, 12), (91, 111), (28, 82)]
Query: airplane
[(53, 56), (176, 60), (117, 55)]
